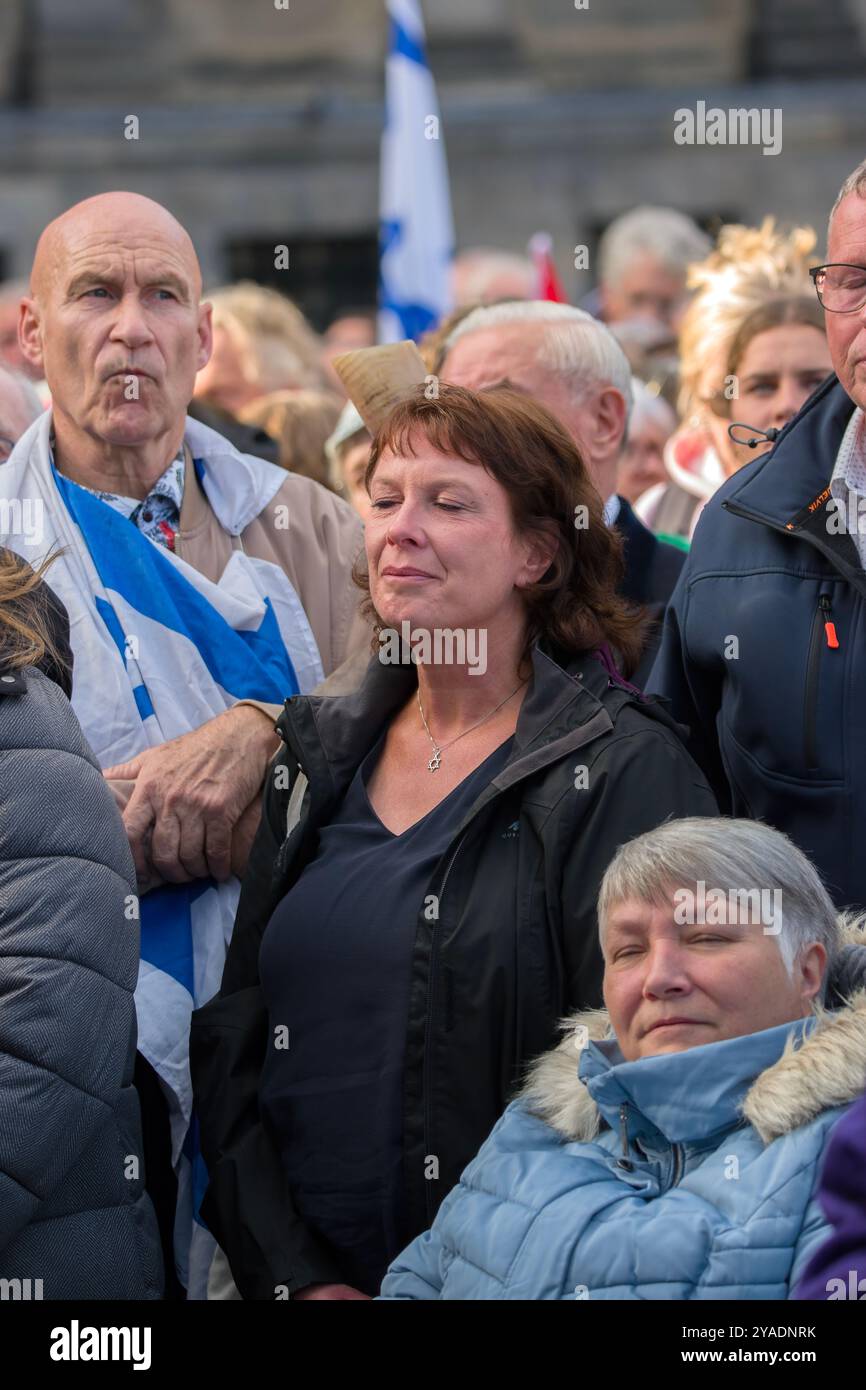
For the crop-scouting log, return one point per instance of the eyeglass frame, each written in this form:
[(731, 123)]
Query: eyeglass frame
[(829, 265)]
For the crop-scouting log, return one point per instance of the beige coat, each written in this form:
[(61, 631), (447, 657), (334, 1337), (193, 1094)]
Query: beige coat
[(317, 551)]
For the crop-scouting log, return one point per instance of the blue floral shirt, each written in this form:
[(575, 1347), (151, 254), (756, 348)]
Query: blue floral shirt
[(158, 516)]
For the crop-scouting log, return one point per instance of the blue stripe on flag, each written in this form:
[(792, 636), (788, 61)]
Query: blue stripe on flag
[(192, 1150), (251, 665), (112, 622), (401, 42), (143, 701), (166, 929), (415, 318)]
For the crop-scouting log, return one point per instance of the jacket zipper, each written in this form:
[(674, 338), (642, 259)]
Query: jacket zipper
[(428, 1027), (624, 1161), (678, 1164), (821, 619), (431, 990)]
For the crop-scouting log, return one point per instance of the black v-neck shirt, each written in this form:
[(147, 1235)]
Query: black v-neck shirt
[(335, 966)]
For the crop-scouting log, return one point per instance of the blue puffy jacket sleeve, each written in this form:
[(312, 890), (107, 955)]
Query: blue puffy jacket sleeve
[(416, 1273)]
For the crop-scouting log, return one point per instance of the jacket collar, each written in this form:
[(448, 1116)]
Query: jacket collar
[(640, 544), (565, 706), (684, 1097), (780, 487), (776, 1080)]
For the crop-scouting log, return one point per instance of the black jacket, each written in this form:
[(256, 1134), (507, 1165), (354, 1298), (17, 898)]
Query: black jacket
[(652, 568), (748, 660), (511, 949)]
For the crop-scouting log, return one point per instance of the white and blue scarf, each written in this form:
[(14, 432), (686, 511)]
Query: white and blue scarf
[(159, 649)]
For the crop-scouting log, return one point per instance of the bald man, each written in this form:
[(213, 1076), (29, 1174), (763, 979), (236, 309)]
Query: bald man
[(115, 323), (203, 586)]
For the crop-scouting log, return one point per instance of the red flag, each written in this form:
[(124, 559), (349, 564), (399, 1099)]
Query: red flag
[(547, 281)]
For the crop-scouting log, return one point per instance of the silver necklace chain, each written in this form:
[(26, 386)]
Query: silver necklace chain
[(435, 762)]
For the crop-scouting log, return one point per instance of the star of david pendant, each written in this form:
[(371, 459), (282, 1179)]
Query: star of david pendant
[(435, 762)]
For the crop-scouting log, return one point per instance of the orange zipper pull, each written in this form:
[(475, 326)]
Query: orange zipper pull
[(829, 625)]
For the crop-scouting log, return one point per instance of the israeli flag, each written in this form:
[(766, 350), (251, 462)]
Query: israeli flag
[(416, 239)]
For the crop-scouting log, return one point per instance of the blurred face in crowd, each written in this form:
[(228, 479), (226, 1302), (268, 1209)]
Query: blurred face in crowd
[(642, 463), (441, 545), (11, 355), (595, 418), (222, 381), (647, 289), (353, 466), (114, 321), (776, 375), (345, 334), (15, 417), (669, 987), (846, 333)]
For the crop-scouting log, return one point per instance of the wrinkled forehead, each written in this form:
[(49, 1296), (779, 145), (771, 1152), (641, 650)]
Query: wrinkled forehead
[(491, 355), (847, 235), (119, 254)]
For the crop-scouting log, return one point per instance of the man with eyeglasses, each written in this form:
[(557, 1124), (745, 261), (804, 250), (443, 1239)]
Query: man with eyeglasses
[(763, 653)]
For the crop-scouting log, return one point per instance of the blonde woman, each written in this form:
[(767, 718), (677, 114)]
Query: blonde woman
[(262, 343), (752, 349)]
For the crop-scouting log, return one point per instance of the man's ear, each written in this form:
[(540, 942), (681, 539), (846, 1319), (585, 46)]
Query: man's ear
[(610, 421), (30, 334), (205, 336)]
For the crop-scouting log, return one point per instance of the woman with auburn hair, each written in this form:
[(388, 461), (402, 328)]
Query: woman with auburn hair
[(75, 1219), (419, 906)]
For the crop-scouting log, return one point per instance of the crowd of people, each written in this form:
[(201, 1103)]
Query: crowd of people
[(429, 856)]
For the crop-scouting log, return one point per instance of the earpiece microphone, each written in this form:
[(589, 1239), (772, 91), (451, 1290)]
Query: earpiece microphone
[(758, 436)]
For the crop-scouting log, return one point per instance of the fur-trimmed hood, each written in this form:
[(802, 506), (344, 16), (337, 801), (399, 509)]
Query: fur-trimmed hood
[(820, 1064)]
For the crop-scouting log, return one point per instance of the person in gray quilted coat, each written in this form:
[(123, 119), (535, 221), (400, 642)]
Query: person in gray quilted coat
[(75, 1220)]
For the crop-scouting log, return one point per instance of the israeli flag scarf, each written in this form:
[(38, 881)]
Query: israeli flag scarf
[(159, 650)]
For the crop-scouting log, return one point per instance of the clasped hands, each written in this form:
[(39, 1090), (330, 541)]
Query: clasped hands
[(191, 807)]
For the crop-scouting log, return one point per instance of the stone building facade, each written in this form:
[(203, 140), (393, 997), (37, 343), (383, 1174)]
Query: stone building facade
[(258, 121)]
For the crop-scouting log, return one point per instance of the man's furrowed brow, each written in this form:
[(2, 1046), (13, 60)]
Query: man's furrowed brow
[(173, 282), (100, 275), (111, 276)]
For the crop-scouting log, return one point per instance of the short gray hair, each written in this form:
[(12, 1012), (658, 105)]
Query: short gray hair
[(855, 183), (735, 856), (576, 346), (672, 237)]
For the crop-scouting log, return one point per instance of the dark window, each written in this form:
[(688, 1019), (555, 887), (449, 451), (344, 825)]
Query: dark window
[(326, 274), (802, 40)]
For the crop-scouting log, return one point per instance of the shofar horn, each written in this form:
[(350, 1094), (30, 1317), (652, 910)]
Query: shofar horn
[(377, 378)]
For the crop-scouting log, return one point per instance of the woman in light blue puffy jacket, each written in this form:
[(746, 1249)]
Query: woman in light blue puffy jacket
[(670, 1146)]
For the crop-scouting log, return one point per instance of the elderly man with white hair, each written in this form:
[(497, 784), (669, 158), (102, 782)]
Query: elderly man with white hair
[(643, 258), (573, 365)]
